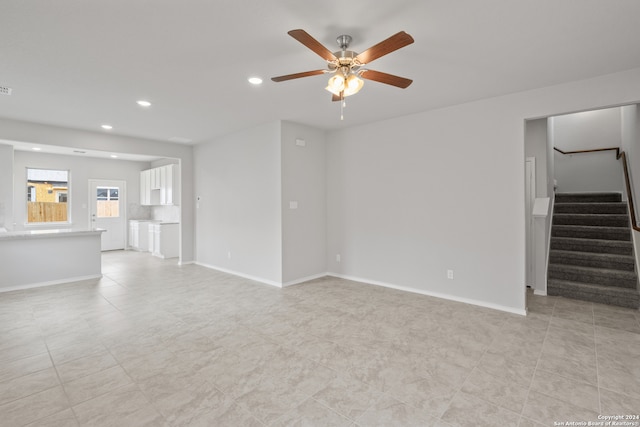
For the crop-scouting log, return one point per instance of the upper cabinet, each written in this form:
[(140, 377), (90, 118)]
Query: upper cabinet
[(145, 187), (160, 186)]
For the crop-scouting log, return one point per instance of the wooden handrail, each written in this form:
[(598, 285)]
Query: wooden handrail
[(616, 149), (627, 181)]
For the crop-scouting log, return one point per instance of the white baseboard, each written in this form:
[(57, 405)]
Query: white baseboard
[(304, 279), (540, 292), (50, 283), (369, 282), (239, 274), (432, 294)]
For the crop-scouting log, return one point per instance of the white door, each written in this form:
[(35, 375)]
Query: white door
[(107, 211), (530, 197)]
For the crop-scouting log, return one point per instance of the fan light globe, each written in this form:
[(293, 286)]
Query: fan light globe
[(353, 86), (336, 84)]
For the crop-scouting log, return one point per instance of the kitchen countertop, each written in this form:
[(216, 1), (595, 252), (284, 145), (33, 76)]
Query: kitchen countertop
[(47, 233)]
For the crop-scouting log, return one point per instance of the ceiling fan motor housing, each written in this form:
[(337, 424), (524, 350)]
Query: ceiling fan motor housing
[(347, 63), (344, 41)]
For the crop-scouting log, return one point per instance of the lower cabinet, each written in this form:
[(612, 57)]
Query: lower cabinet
[(139, 235), (163, 239), (160, 238)]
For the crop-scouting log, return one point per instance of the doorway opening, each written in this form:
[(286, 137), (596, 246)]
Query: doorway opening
[(107, 212)]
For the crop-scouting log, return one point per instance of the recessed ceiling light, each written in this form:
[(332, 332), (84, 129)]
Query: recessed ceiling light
[(36, 148), (143, 103), (107, 127), (255, 80)]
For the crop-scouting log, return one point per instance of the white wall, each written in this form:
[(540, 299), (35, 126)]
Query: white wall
[(6, 186), (14, 130), (536, 146), (303, 181), (411, 197), (631, 146), (588, 172), (82, 169), (550, 163), (589, 130), (238, 180)]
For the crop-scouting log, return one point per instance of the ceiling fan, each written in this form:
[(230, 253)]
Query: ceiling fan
[(346, 65)]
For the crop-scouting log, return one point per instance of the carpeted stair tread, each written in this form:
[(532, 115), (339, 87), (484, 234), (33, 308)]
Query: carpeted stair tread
[(591, 259), (621, 297), (588, 197), (621, 247), (594, 220), (591, 253), (590, 232), (591, 208), (601, 276)]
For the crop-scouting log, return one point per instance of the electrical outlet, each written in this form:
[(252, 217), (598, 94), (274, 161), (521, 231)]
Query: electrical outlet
[(338, 258), (450, 274), (229, 254)]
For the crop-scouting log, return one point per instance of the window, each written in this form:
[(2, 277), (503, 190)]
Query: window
[(108, 202), (47, 195)]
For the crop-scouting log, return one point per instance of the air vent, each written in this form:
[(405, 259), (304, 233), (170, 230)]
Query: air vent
[(4, 90)]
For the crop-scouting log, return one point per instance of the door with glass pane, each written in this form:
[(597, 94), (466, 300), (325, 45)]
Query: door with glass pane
[(107, 212)]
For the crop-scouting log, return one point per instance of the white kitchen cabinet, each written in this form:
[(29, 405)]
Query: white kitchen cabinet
[(160, 186), (155, 178), (169, 193), (133, 234), (163, 239), (162, 172), (145, 188), (139, 235)]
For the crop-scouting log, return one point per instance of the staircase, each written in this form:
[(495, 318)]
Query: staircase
[(591, 256)]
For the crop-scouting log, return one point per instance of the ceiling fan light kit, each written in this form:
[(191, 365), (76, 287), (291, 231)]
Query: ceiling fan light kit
[(346, 65)]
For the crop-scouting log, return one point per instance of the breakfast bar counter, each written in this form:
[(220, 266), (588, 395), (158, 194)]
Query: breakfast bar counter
[(33, 258)]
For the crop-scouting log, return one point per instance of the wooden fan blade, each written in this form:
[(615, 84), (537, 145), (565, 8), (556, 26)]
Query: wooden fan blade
[(303, 37), (389, 79), (297, 75), (389, 45)]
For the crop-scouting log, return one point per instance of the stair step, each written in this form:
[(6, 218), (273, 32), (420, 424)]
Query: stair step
[(599, 276), (590, 259), (590, 232), (602, 220), (588, 197), (619, 247), (621, 297), (591, 208)]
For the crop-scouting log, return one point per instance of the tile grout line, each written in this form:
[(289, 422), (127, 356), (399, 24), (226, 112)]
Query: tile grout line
[(486, 350), (595, 347), (535, 370), (64, 390)]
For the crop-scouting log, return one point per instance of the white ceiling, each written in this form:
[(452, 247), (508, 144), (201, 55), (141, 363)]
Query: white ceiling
[(79, 63)]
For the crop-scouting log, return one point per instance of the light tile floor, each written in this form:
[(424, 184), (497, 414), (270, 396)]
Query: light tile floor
[(157, 344)]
